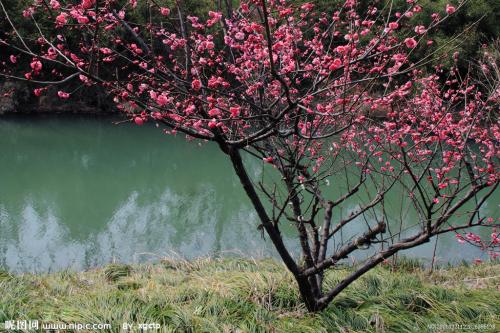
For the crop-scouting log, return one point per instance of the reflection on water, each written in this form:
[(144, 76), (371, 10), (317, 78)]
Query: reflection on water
[(77, 193), (37, 240)]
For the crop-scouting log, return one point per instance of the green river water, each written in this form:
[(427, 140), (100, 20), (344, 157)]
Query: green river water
[(80, 192)]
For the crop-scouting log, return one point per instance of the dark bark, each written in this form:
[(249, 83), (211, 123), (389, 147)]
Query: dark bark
[(306, 290)]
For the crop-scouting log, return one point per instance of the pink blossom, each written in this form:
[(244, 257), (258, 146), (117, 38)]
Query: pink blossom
[(28, 12), (105, 50), (393, 25), (307, 6), (495, 238), (214, 112), (63, 95), (239, 36), (139, 121), (13, 59), (54, 4), (420, 29), (235, 111), (84, 79), (493, 255), (410, 43), (269, 159), (212, 123), (86, 4), (214, 18), (473, 237), (165, 11), (162, 100), (450, 9), (196, 85), (62, 19), (460, 238), (36, 65), (335, 64), (215, 15), (82, 19), (341, 49), (38, 92)]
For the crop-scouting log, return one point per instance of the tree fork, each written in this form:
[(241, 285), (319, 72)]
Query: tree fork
[(305, 288)]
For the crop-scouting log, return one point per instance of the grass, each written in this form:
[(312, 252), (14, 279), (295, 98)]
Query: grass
[(239, 295)]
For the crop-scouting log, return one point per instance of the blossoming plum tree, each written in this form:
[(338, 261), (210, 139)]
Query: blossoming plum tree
[(320, 100)]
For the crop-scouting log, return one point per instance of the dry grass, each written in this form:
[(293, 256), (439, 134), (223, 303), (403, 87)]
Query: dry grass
[(238, 295)]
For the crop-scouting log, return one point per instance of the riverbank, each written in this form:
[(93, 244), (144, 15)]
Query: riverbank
[(17, 97), (239, 295)]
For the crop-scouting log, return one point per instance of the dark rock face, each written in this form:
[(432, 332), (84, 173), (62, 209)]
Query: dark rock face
[(18, 97), (12, 95)]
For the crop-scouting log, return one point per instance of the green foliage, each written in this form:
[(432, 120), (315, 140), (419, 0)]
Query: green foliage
[(238, 295), (465, 32)]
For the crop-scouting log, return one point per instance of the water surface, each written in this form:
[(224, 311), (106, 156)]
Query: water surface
[(81, 192)]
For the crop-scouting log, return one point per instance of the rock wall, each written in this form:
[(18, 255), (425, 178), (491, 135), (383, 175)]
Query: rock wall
[(18, 97)]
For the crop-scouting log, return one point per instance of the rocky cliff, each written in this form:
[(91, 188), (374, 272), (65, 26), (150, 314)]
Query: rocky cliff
[(18, 97)]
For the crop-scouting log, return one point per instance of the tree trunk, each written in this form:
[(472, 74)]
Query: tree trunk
[(306, 290)]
